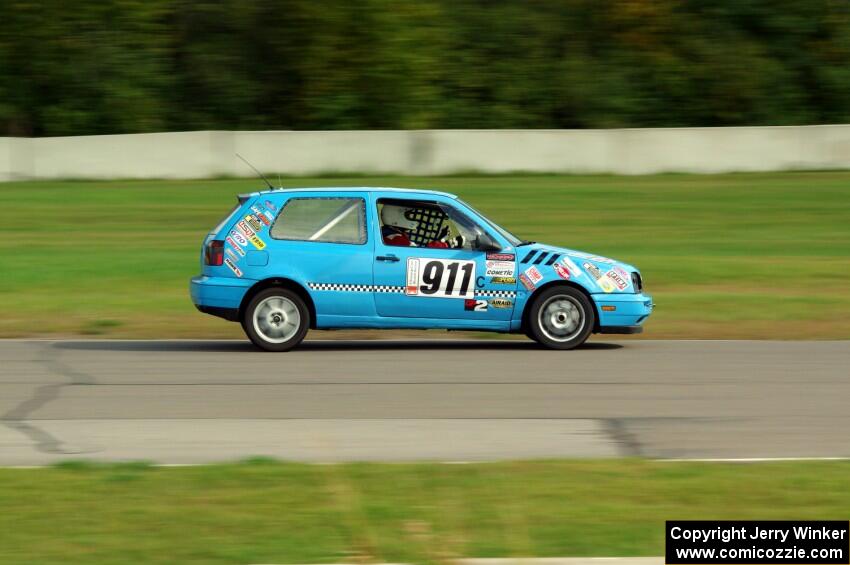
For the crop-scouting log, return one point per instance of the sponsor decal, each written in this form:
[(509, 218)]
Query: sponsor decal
[(245, 229), (599, 259), (606, 283), (236, 270), (623, 273), (257, 242), (501, 303), (592, 269), (526, 282), (239, 238), (412, 287), (617, 279), (562, 271), (571, 267), (268, 215), (479, 282), (232, 255), (253, 222), (501, 257), (270, 205), (475, 305), (533, 275), (439, 278), (500, 268), (232, 241), (259, 214), (503, 280)]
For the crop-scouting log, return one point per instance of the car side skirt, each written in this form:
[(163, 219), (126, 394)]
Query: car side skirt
[(325, 321)]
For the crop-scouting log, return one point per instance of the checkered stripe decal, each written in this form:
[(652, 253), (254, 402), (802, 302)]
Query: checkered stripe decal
[(354, 287), (397, 289), (496, 293)]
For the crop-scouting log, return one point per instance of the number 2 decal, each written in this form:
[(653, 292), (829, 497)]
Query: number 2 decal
[(439, 278)]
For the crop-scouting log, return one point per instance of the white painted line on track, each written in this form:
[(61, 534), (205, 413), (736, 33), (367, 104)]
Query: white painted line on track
[(541, 561), (751, 459)]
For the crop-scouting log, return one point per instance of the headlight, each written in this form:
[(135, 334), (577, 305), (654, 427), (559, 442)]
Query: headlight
[(637, 282)]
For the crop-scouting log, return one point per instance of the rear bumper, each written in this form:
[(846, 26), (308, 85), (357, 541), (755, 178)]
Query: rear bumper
[(230, 314), (219, 296), (622, 313)]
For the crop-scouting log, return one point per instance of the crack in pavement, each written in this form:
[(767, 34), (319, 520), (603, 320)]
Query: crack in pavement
[(16, 418)]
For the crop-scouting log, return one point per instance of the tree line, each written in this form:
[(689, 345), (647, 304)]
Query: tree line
[(116, 66)]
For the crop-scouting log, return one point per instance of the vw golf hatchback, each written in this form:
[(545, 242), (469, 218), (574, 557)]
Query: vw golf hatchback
[(285, 261)]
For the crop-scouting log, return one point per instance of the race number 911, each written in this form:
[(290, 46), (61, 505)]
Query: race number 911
[(439, 278)]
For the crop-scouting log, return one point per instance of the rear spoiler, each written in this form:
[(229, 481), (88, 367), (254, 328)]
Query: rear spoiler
[(243, 198)]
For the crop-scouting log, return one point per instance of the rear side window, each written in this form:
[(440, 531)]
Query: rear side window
[(331, 220)]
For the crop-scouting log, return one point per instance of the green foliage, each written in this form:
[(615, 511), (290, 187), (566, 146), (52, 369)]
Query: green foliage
[(402, 513), (115, 66)]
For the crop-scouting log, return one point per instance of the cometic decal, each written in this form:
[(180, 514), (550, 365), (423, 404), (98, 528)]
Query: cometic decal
[(500, 268)]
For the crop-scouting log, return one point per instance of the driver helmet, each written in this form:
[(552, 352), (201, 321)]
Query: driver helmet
[(396, 216)]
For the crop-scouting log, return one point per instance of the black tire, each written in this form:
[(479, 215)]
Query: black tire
[(561, 318), (279, 317)]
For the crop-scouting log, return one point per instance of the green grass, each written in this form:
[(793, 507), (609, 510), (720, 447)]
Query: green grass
[(266, 512), (743, 255)]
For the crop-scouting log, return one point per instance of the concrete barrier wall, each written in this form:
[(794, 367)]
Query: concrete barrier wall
[(205, 154)]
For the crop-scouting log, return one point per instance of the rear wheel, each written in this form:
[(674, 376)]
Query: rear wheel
[(561, 317), (276, 319)]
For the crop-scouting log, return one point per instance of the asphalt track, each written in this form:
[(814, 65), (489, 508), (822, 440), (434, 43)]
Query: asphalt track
[(201, 401)]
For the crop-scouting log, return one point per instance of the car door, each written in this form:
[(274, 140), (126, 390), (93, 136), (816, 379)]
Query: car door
[(475, 281), (322, 241)]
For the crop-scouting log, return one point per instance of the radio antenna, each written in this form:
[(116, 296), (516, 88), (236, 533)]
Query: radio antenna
[(256, 171)]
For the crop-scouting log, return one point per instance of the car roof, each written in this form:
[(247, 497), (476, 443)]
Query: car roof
[(411, 191)]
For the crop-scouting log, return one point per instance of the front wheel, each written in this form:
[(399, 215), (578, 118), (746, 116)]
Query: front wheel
[(561, 317), (276, 319)]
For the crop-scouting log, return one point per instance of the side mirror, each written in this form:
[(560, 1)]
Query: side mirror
[(483, 242)]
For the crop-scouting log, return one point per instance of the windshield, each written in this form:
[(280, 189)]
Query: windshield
[(512, 239)]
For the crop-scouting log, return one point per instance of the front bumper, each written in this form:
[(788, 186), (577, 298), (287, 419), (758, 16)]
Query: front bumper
[(219, 296), (622, 313)]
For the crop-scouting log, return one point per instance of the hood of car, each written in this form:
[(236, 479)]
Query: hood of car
[(541, 263)]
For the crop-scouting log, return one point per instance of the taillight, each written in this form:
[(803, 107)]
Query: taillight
[(214, 253)]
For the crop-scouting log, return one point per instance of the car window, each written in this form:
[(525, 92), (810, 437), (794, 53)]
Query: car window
[(333, 220), (422, 223)]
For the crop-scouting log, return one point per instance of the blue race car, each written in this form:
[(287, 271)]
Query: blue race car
[(285, 261)]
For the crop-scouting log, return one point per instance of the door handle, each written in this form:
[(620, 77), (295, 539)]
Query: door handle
[(390, 258)]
